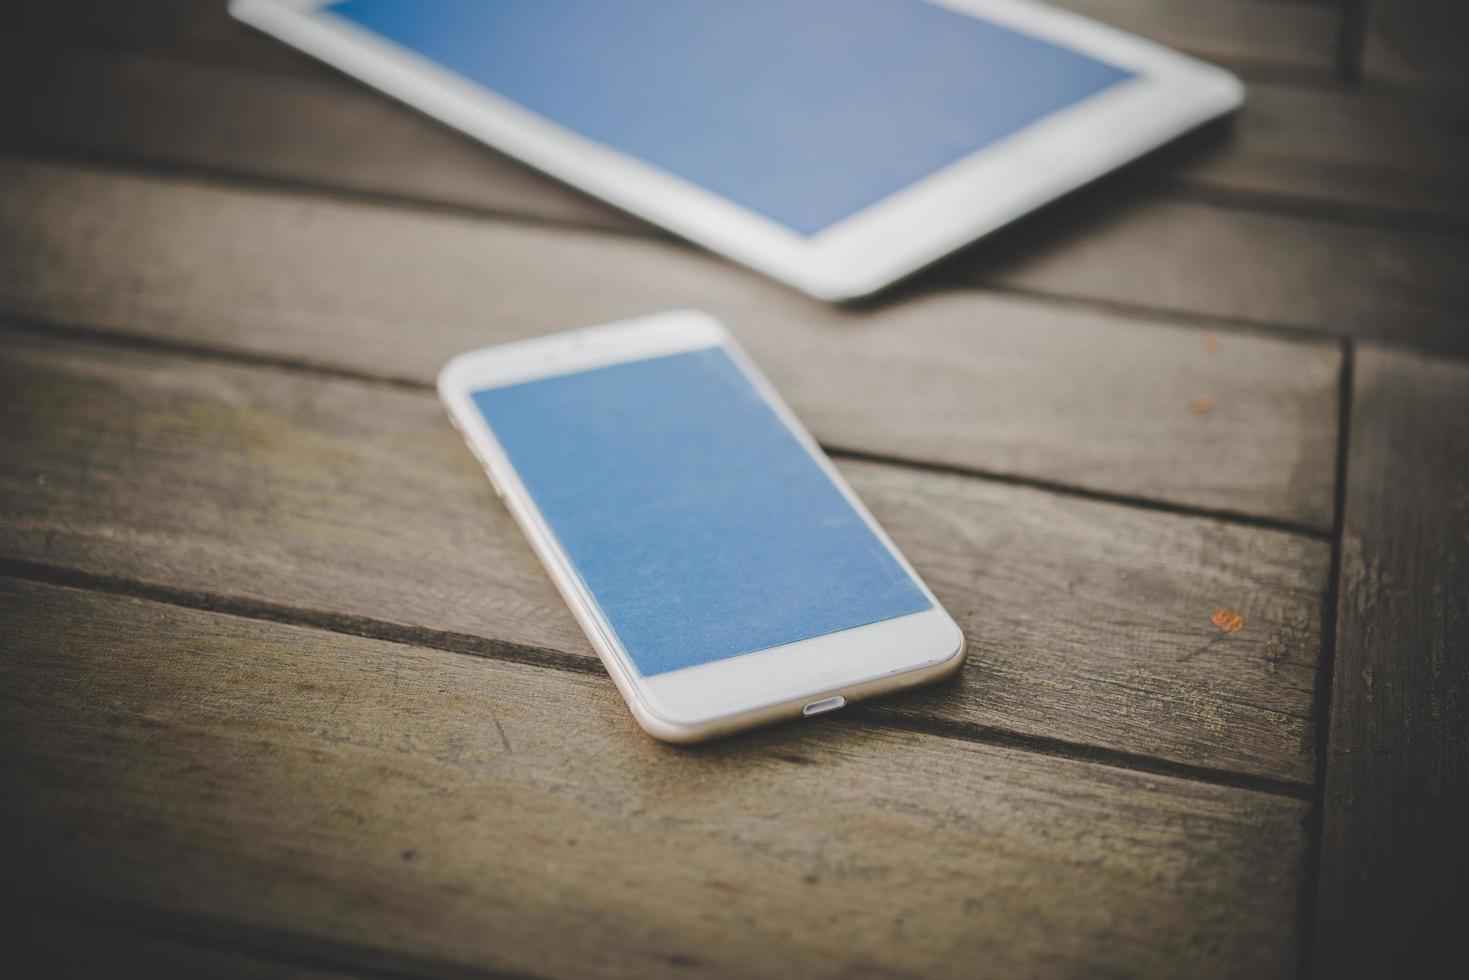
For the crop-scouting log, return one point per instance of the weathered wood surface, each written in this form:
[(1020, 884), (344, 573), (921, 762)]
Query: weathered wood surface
[(1247, 35), (418, 768), (1190, 257), (1296, 37), (68, 949), (1394, 856), (1205, 259), (1360, 155), (1299, 144), (190, 29), (1089, 623), (1418, 43), (316, 129), (423, 812), (963, 378), (1327, 147)]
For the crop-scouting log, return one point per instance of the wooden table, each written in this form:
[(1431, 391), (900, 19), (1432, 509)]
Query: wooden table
[(286, 693)]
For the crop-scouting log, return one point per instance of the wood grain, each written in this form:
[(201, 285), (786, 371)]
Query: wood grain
[(424, 812), (1325, 147), (1248, 35), (1419, 43), (1394, 860), (1361, 154), (962, 378), (61, 948), (1204, 259), (1089, 623), (199, 30), (315, 129), (1292, 36)]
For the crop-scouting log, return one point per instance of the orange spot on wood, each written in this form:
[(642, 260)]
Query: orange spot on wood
[(1201, 404), (1227, 620), (1212, 344)]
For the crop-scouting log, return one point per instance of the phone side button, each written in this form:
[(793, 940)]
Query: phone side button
[(824, 705), (494, 484)]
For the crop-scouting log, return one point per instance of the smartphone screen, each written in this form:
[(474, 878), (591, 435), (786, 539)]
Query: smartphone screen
[(696, 519)]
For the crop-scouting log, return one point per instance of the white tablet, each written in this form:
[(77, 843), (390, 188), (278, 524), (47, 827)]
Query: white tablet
[(834, 144)]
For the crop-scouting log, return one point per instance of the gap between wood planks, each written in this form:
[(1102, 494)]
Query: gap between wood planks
[(1052, 563), (225, 181), (975, 733), (1326, 660), (319, 81), (73, 68), (1296, 49), (39, 328), (1167, 187), (1168, 183), (213, 949), (1352, 42), (276, 61), (465, 644), (1035, 801), (1204, 321)]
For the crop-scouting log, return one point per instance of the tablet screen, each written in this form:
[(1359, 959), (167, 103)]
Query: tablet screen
[(803, 111)]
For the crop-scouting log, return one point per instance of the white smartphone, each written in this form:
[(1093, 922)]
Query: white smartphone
[(720, 565)]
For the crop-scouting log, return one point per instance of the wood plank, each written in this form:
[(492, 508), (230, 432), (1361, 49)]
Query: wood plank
[(1122, 242), (1088, 622), (199, 30), (1405, 286), (1375, 154), (1331, 148), (316, 129), (1298, 36), (1419, 43), (1394, 861), (962, 378), (59, 947), (448, 812), (1247, 35)]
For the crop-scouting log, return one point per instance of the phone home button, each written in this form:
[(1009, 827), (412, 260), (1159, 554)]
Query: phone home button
[(824, 705)]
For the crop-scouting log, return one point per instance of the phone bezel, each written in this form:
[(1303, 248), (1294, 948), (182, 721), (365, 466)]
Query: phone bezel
[(713, 698), (971, 197)]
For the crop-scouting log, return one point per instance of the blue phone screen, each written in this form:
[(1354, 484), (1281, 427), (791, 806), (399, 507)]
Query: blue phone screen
[(697, 520), (803, 111)]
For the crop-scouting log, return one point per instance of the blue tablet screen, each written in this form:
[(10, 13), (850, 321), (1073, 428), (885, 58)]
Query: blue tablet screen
[(804, 111), (699, 523)]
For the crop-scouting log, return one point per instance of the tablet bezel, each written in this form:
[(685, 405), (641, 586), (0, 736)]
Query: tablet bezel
[(1169, 94)]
